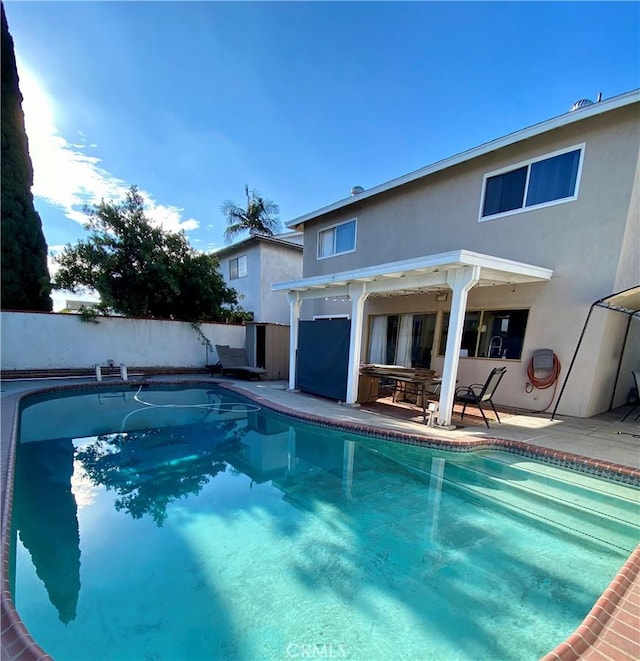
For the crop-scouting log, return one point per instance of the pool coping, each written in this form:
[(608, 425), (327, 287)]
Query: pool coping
[(17, 644)]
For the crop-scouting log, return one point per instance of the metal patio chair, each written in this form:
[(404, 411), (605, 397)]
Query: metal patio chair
[(478, 394)]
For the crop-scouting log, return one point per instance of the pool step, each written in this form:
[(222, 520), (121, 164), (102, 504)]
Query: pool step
[(559, 486), (572, 518), (566, 480), (550, 497)]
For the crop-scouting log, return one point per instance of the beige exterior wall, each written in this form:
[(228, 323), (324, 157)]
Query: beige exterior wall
[(277, 264), (592, 245), (266, 263), (248, 287), (629, 265)]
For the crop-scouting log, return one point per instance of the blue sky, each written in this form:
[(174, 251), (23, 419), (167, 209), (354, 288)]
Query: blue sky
[(301, 100)]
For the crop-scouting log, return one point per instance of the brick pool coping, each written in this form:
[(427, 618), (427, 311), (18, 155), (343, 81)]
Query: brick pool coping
[(617, 608)]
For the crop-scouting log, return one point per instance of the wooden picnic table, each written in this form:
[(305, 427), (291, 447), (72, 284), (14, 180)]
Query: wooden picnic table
[(415, 379)]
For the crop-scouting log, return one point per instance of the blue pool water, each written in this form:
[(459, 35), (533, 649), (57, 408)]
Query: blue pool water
[(187, 523)]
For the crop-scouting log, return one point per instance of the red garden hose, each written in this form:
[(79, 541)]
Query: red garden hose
[(549, 379)]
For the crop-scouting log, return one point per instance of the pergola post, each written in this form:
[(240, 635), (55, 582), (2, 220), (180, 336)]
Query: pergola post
[(358, 293), (294, 318), (461, 280)]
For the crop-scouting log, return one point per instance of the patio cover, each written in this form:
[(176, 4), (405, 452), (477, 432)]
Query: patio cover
[(458, 270)]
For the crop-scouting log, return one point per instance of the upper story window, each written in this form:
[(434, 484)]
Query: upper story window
[(551, 179), (238, 267), (337, 240)]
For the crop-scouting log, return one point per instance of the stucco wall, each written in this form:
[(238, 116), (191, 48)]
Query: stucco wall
[(32, 340), (248, 287), (440, 213), (278, 264), (607, 329), (266, 263), (584, 392), (629, 266), (590, 243)]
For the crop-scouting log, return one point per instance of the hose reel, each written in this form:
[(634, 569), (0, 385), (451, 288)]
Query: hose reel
[(543, 372)]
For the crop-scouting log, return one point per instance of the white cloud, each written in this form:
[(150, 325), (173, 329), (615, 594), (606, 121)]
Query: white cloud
[(53, 252), (169, 217), (66, 176)]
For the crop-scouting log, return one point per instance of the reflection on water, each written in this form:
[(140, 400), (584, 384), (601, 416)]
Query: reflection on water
[(354, 531), (46, 517), (150, 469)]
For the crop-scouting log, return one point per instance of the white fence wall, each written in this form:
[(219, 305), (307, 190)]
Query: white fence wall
[(35, 340)]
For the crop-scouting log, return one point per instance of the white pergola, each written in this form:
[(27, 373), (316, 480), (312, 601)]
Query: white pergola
[(458, 271)]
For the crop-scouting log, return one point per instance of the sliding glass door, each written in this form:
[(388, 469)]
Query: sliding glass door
[(405, 339)]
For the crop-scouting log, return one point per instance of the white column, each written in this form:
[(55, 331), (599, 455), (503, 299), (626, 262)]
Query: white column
[(460, 280), (294, 318), (358, 293)]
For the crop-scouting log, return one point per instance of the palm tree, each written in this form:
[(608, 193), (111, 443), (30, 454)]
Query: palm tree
[(260, 216)]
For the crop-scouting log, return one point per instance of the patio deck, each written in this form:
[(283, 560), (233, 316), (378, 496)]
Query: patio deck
[(612, 628)]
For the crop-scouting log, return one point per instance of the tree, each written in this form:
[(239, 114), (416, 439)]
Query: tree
[(141, 270), (25, 274), (260, 216)]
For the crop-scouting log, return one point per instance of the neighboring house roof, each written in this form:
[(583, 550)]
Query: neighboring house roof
[(258, 238), (537, 129)]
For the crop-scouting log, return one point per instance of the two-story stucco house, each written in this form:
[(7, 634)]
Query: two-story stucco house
[(480, 259), (250, 266)]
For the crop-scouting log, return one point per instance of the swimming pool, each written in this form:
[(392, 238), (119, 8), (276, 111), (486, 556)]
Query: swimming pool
[(188, 523)]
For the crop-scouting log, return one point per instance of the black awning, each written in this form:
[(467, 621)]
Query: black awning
[(627, 301)]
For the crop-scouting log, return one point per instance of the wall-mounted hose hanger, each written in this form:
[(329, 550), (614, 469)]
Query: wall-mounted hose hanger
[(543, 372)]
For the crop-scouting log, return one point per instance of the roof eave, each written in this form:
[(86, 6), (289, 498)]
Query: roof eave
[(256, 239), (486, 148)]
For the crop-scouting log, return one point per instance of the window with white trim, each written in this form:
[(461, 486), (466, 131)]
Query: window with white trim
[(238, 267), (551, 179), (337, 240)]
